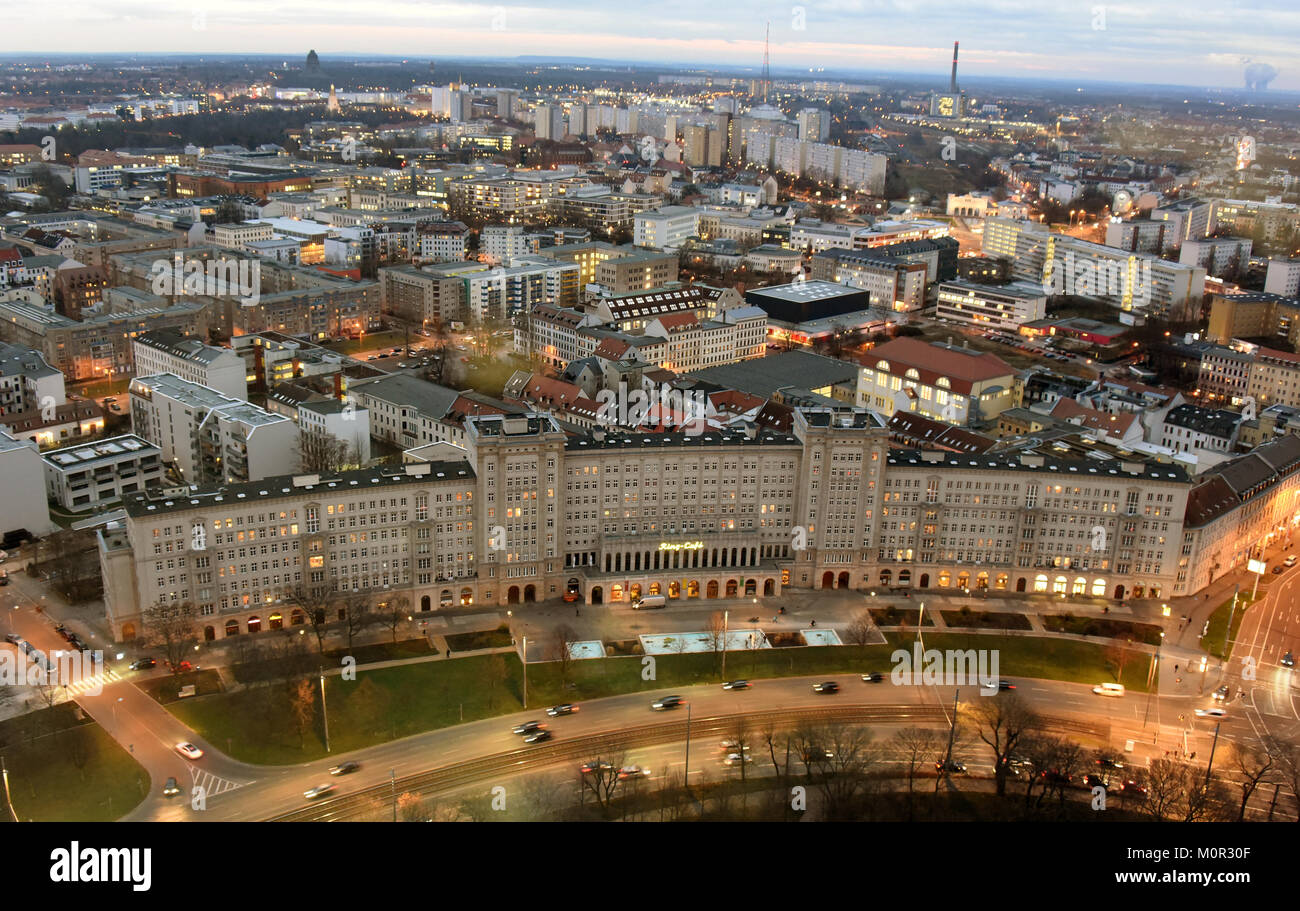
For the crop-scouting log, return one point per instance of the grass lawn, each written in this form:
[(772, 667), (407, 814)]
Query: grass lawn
[(1103, 626), (386, 651), (965, 617), (390, 338), (492, 638), (1213, 640), (386, 704), (71, 771), (899, 616)]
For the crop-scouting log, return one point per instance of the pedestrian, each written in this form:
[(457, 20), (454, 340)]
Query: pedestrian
[(449, 651), (814, 622), (1175, 669), (577, 612)]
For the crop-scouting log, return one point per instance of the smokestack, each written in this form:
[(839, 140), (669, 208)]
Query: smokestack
[(953, 86)]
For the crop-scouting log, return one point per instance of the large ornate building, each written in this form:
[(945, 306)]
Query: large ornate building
[(529, 513)]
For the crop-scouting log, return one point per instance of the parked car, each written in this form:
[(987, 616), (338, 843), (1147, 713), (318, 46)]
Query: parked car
[(183, 668), (345, 768), (951, 766), (143, 664), (319, 791), (1131, 788), (570, 597)]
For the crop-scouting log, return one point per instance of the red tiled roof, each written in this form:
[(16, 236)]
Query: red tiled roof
[(1115, 425), (962, 368)]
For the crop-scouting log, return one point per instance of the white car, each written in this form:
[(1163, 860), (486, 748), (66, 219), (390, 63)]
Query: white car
[(189, 751), (1109, 689), (1212, 713), (319, 791)]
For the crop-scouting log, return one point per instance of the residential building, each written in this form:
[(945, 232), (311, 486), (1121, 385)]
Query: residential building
[(93, 475)]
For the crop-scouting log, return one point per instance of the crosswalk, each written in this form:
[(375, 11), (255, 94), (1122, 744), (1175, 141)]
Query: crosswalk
[(93, 684)]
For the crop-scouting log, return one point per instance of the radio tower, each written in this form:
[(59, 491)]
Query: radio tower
[(767, 75)]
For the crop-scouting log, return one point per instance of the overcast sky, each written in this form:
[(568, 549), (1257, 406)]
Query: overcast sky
[(1191, 42)]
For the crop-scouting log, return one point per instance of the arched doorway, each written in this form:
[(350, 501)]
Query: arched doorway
[(512, 596), (466, 597), (732, 588), (712, 591), (674, 589), (843, 581), (1119, 593), (924, 581), (615, 593), (1138, 591), (232, 628), (945, 579), (254, 624), (751, 587), (1020, 584), (1040, 583), (769, 588), (426, 603), (963, 580), (982, 582), (128, 632), (276, 620), (693, 588), (828, 579), (209, 634), (597, 595), (530, 594), (654, 588), (886, 577), (634, 591), (444, 599), (904, 577), (1001, 584), (297, 617)]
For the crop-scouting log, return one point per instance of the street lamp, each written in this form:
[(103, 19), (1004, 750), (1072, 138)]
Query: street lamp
[(325, 715)]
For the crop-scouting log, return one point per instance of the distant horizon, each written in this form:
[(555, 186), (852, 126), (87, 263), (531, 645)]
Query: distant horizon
[(1188, 43)]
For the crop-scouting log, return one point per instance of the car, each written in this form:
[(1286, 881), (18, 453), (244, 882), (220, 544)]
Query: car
[(816, 754), (733, 746), (109, 399), (951, 766), (538, 736), (734, 759), (632, 771), (1054, 776), (1212, 713), (188, 750), (873, 678), (527, 727), (319, 791), (395, 350), (1132, 788), (1006, 685), (667, 702), (829, 686), (567, 708), (13, 638), (1109, 689), (1289, 561), (1109, 762), (594, 765), (570, 597), (1278, 570), (143, 664), (171, 789), (344, 768), (1288, 660), (1096, 781), (183, 668), (736, 685), (1221, 693), (373, 357)]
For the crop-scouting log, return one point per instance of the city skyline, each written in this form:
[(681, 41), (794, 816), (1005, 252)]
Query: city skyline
[(1154, 44)]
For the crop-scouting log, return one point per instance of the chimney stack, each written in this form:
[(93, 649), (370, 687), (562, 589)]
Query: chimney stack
[(953, 86)]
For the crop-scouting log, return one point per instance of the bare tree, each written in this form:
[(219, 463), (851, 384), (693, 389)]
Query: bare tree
[(847, 782), (716, 628), (1001, 721), (861, 629), (1288, 768), (356, 608), (302, 702), (391, 614), (919, 747), (1167, 781), (324, 453), (172, 629), (599, 778), (563, 638), (314, 600), (1253, 765)]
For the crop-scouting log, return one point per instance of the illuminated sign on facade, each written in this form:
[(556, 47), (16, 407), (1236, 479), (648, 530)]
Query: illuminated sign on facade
[(685, 545)]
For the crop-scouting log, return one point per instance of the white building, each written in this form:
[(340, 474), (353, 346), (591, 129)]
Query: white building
[(27, 382), (22, 478), (667, 227), (1283, 277), (93, 474), (991, 306), (211, 437), (167, 351)]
